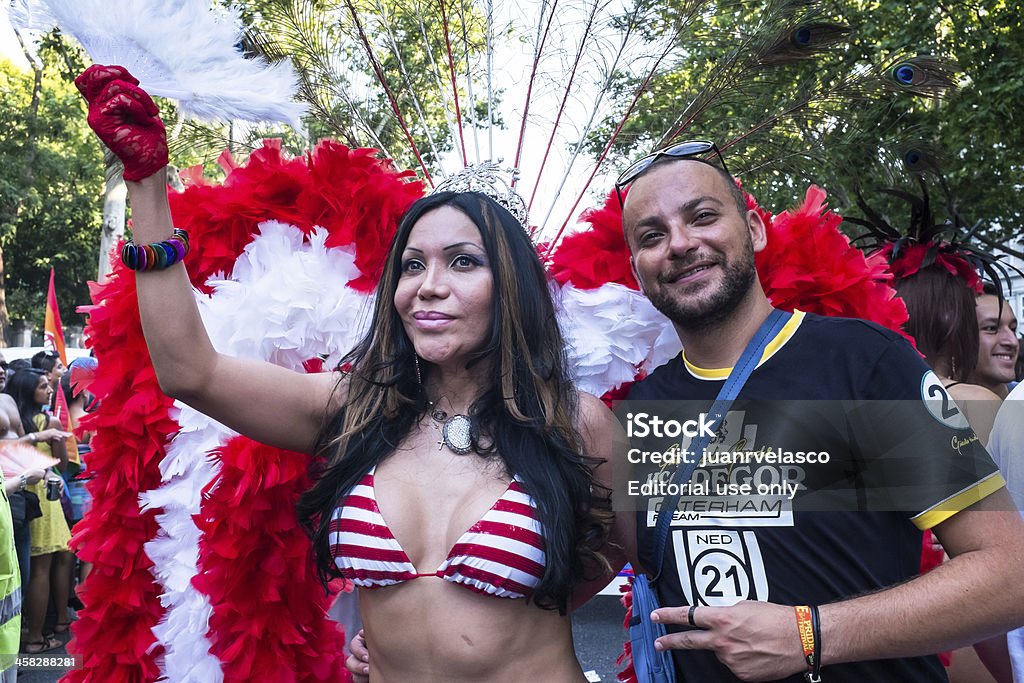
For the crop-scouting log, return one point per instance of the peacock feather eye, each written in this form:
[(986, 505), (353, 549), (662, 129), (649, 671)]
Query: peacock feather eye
[(906, 74)]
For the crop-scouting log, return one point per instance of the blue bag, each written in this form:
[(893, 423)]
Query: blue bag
[(650, 665)]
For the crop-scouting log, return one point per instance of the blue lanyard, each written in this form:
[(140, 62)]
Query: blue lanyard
[(737, 378)]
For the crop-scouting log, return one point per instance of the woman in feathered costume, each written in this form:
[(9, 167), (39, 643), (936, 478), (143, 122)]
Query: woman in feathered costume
[(936, 275), (462, 357)]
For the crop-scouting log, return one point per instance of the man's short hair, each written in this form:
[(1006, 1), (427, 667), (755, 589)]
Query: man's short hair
[(19, 364), (44, 360), (738, 197)]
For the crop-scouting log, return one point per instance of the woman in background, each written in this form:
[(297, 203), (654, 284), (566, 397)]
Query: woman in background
[(50, 559), (75, 476), (944, 324)]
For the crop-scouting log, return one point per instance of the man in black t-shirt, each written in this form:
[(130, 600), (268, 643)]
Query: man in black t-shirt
[(692, 242)]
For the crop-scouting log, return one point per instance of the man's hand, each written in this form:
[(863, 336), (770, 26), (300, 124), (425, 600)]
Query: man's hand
[(758, 641), (57, 478), (358, 663), (51, 435)]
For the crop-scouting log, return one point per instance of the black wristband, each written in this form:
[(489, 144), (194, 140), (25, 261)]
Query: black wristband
[(815, 674)]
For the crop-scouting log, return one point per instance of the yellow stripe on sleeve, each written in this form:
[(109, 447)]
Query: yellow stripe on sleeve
[(945, 509)]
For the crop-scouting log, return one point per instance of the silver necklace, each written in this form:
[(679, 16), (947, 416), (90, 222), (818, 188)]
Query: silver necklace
[(456, 430)]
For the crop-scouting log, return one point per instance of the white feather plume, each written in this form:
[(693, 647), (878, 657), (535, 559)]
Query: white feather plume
[(611, 333), (179, 49), (185, 470), (30, 15)]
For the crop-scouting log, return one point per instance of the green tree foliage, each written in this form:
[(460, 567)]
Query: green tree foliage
[(851, 139), (50, 209), (978, 131)]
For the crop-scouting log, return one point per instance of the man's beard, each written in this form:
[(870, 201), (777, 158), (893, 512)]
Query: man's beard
[(695, 313)]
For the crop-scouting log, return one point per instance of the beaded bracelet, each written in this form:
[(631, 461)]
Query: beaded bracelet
[(158, 255)]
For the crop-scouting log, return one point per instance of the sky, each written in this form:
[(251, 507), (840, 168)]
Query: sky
[(9, 47)]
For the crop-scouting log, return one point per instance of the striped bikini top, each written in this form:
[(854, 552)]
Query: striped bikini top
[(501, 555)]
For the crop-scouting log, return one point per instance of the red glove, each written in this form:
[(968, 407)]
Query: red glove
[(125, 118)]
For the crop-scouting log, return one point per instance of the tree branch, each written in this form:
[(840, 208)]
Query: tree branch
[(32, 117), (993, 244)]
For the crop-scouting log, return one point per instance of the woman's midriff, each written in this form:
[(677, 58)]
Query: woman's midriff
[(431, 630)]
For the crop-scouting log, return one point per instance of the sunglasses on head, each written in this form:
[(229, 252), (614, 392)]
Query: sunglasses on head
[(681, 150)]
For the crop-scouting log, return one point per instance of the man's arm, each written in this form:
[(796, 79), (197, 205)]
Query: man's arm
[(15, 484), (975, 595)]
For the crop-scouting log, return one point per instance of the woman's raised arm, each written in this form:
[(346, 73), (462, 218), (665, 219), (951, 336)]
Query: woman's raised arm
[(265, 402)]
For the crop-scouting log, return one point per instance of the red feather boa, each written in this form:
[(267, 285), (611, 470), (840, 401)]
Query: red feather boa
[(809, 264), (113, 634), (268, 621)]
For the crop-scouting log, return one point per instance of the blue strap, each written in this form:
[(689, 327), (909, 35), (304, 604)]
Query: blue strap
[(737, 378)]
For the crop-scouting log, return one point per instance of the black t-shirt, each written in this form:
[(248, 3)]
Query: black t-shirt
[(899, 464)]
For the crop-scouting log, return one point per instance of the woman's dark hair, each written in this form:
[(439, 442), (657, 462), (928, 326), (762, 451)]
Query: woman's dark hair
[(65, 386), (943, 318), (22, 388), (527, 413)]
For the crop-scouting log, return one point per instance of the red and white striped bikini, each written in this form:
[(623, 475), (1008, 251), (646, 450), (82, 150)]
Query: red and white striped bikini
[(501, 555)]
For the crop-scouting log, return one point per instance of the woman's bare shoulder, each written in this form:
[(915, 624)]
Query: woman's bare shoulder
[(598, 426), (979, 405), (592, 412), (971, 392)]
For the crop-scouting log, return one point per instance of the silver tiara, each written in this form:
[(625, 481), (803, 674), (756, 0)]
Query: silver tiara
[(493, 180)]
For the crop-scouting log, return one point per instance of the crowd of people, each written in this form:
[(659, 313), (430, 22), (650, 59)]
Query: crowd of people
[(466, 485), (38, 495)]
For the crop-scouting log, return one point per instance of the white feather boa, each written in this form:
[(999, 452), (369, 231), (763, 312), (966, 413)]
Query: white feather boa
[(612, 333)]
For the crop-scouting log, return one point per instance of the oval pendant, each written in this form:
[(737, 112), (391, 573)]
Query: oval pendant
[(457, 434)]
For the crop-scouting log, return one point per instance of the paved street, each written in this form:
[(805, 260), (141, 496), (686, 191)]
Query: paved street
[(45, 676), (598, 632)]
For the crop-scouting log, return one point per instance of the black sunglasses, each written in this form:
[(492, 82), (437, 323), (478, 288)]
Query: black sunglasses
[(680, 150)]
